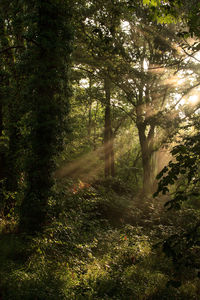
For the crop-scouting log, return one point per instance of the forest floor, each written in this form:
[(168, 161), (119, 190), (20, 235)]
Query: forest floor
[(102, 241)]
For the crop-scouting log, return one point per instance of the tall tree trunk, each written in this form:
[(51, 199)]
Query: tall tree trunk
[(112, 156), (108, 137), (11, 107), (148, 153), (95, 129), (107, 140), (90, 110), (148, 163), (2, 156), (48, 104)]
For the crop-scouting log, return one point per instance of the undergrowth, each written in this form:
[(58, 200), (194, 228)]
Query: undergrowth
[(101, 242)]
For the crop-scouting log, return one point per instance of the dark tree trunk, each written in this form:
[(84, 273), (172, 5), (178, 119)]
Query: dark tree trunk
[(107, 140), (112, 156), (2, 157), (9, 172), (147, 163), (108, 137), (48, 105)]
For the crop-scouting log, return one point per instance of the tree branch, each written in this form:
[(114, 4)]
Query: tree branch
[(10, 48)]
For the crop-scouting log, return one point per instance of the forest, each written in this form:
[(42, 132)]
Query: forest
[(99, 149)]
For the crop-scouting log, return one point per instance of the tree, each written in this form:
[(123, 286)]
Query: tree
[(46, 63), (138, 60), (146, 61), (108, 134), (11, 31), (93, 49)]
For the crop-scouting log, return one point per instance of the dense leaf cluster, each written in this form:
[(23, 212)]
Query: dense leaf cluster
[(184, 170)]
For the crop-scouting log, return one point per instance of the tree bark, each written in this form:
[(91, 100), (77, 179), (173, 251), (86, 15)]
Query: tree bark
[(48, 103), (147, 141), (112, 156), (2, 156), (9, 170), (108, 136), (90, 110)]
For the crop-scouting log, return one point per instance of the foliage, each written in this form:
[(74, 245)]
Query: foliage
[(66, 231), (184, 170), (82, 254)]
